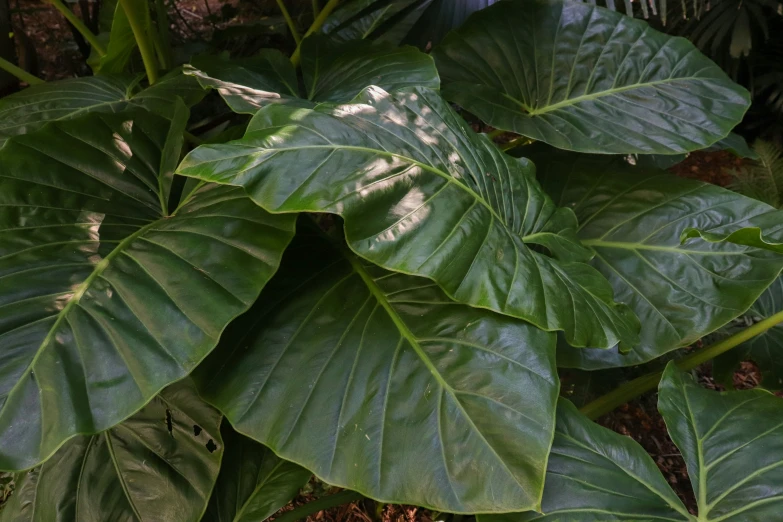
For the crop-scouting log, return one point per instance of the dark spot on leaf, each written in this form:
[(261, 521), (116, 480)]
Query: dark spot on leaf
[(169, 422), (196, 429), (211, 446)]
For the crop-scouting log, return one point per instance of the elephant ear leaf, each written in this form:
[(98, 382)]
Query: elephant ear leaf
[(587, 79), (107, 297), (150, 467), (254, 483), (356, 366), (732, 443), (421, 193)]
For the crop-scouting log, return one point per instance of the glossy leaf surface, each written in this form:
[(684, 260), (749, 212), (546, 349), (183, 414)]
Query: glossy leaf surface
[(377, 382), (597, 475), (105, 299), (632, 218), (136, 471), (416, 186), (584, 78), (332, 71), (254, 483), (33, 107), (732, 443)]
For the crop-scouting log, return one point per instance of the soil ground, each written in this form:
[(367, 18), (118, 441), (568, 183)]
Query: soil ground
[(57, 56)]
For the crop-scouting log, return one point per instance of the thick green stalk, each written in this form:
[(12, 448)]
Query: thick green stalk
[(19, 72), (289, 21), (317, 24), (79, 25), (164, 37), (316, 8), (645, 383), (143, 40), (338, 499)]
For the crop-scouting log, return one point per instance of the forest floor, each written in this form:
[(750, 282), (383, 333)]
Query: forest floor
[(57, 56)]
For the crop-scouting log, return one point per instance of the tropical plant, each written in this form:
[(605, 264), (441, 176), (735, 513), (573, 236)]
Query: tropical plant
[(344, 279)]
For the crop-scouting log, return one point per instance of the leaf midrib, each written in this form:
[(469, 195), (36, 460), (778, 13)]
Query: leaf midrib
[(406, 333), (600, 94)]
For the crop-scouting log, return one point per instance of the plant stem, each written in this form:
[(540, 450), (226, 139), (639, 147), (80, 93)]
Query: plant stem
[(316, 9), (290, 22), (79, 25), (164, 38), (317, 24), (143, 41), (632, 389), (338, 499), (193, 139), (19, 72)]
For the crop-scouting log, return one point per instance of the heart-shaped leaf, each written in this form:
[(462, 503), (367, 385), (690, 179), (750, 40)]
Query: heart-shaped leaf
[(254, 483), (150, 467), (105, 297), (422, 194), (584, 78), (379, 383), (633, 218)]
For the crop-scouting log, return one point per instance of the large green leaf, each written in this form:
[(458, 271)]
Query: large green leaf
[(597, 475), (105, 298), (766, 349), (632, 218), (332, 71), (588, 79), (732, 443), (422, 194), (254, 483), (379, 383), (137, 471), (33, 107)]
